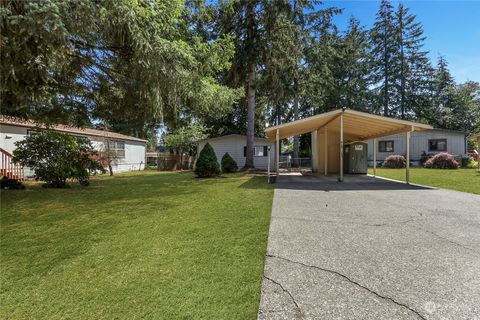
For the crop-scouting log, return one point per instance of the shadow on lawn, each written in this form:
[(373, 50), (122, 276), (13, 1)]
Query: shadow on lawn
[(257, 182)]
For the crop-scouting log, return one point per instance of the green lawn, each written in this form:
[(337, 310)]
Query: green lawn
[(140, 245), (466, 180)]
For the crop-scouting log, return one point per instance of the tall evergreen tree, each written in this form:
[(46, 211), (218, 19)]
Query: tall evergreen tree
[(384, 53), (351, 68), (443, 94), (414, 68), (129, 64), (264, 38)]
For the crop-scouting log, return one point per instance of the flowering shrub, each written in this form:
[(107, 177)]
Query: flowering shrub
[(395, 161), (442, 160)]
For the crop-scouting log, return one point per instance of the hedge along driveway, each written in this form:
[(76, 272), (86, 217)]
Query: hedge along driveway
[(142, 245)]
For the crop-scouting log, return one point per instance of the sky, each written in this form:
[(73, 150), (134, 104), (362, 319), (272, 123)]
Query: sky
[(452, 29)]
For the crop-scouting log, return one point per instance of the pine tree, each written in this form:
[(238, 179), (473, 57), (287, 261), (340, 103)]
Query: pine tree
[(414, 67), (384, 53), (443, 94), (352, 68), (265, 44)]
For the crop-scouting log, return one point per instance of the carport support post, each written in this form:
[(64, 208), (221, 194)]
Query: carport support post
[(277, 150), (407, 167), (341, 148), (325, 153), (374, 157)]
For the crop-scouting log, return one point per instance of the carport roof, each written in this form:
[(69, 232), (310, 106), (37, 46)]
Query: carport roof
[(356, 125)]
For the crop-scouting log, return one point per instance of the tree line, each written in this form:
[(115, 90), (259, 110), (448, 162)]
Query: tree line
[(231, 66)]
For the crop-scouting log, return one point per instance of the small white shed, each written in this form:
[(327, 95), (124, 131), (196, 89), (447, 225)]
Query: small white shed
[(236, 146)]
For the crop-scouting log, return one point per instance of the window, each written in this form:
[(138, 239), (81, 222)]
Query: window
[(385, 146), (258, 151), (437, 145), (117, 148)]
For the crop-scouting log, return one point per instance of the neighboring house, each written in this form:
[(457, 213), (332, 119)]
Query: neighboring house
[(428, 142), (236, 146), (129, 153)]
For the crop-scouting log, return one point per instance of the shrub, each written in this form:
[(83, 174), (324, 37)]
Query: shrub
[(442, 160), (395, 161), (56, 157), (466, 161), (228, 164), (207, 164)]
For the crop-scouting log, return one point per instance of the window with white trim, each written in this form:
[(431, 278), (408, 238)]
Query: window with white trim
[(385, 146), (117, 148), (437, 145), (258, 151)]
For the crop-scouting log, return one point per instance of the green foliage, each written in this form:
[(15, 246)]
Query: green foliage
[(468, 162), (132, 64), (152, 142), (56, 157), (184, 139), (207, 164), (228, 164)]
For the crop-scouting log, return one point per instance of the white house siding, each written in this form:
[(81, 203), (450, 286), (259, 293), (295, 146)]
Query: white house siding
[(135, 151), (234, 145), (456, 144)]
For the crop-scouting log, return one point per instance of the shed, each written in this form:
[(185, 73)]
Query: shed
[(332, 130), (236, 146)]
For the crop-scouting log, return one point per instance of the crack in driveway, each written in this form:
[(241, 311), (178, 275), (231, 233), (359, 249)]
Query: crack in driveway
[(351, 281), (297, 308)]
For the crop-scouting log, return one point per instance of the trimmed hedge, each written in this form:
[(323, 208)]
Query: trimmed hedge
[(228, 164), (207, 164), (442, 160), (395, 161)]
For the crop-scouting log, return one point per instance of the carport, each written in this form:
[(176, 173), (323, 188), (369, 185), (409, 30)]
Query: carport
[(332, 130)]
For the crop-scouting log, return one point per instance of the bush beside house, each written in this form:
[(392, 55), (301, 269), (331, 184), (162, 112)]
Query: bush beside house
[(207, 164), (228, 164), (56, 157), (442, 160), (395, 161)]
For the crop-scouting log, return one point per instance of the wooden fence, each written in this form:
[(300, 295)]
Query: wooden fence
[(170, 162)]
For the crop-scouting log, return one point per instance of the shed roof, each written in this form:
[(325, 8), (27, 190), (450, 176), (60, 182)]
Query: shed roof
[(12, 121), (357, 125)]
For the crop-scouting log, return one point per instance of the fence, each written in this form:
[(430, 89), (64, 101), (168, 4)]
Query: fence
[(289, 163), (170, 162)]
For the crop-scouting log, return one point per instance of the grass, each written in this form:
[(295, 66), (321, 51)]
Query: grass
[(139, 245), (466, 180)]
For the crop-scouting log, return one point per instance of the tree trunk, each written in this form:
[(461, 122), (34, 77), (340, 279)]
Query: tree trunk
[(110, 169), (250, 116), (402, 67), (387, 84), (295, 117), (250, 85)]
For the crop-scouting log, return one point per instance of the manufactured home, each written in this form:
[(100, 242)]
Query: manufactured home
[(236, 146), (426, 142), (129, 152)]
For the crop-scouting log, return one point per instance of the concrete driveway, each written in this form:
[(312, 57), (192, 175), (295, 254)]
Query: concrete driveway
[(371, 249)]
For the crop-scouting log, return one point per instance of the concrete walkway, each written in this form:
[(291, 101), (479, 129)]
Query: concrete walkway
[(371, 249)]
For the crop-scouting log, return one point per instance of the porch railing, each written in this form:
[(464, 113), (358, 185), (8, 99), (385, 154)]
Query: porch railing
[(8, 168)]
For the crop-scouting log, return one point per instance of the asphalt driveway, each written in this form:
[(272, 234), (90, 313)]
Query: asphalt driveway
[(371, 249)]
